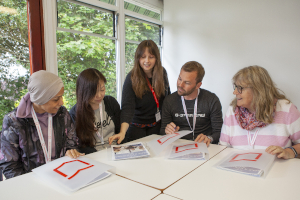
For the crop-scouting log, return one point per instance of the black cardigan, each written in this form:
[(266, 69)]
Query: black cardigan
[(112, 108)]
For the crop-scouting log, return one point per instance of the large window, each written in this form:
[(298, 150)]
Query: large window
[(14, 54), (85, 39), (136, 31)]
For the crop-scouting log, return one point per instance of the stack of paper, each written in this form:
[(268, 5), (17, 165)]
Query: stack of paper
[(250, 162), (129, 151), (72, 174), (191, 151)]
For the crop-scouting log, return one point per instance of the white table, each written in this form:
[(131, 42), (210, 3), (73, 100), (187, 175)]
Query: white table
[(29, 186), (165, 197), (156, 172), (207, 182)]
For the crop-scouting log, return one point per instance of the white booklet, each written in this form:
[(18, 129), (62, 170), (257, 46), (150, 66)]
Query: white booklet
[(72, 174), (129, 151), (250, 162), (158, 145), (189, 151)]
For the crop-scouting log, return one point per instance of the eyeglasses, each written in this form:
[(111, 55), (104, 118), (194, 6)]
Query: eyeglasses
[(239, 88)]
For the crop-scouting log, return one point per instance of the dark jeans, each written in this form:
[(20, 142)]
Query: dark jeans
[(134, 133)]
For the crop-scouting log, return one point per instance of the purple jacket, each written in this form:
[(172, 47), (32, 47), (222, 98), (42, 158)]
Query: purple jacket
[(21, 150)]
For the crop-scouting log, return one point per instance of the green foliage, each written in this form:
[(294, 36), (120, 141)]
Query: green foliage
[(75, 52)]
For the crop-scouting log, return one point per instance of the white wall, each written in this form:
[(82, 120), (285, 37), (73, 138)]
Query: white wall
[(225, 36)]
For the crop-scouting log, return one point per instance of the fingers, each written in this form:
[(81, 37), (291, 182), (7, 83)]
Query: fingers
[(73, 153), (274, 150), (120, 140), (203, 138), (112, 138), (171, 128)]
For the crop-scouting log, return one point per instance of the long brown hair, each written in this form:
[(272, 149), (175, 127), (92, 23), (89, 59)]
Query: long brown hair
[(86, 89), (264, 89), (139, 82)]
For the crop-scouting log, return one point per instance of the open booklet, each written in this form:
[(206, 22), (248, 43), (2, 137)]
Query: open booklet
[(250, 162), (72, 174), (189, 151), (129, 151)]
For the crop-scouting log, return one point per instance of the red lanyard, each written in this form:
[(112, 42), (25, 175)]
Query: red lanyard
[(153, 92)]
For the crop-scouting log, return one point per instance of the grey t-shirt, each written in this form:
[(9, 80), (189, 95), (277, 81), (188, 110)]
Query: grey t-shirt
[(107, 130)]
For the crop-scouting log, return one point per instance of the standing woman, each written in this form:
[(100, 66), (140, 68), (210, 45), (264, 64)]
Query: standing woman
[(97, 116), (39, 130), (144, 90)]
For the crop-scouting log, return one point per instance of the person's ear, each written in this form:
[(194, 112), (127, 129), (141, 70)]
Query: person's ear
[(199, 85)]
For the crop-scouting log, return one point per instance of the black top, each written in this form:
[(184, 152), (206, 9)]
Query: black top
[(209, 115), (138, 110), (112, 108)]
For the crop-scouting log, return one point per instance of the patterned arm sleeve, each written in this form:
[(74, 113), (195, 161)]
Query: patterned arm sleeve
[(293, 119), (72, 139), (10, 156)]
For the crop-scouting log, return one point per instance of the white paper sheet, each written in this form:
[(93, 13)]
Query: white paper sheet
[(73, 174), (158, 145), (250, 162), (129, 151), (189, 151)]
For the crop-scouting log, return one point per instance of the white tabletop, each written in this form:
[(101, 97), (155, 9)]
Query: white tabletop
[(29, 186), (165, 197), (156, 172), (207, 182)]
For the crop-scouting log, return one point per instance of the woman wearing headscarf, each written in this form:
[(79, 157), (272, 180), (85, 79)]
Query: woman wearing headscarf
[(260, 116), (39, 130)]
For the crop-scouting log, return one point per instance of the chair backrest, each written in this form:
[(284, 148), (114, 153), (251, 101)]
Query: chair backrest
[(1, 175)]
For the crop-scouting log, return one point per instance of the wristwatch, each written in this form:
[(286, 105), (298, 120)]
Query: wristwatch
[(211, 138)]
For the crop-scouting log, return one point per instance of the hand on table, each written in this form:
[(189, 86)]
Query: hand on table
[(73, 153), (203, 138), (120, 137), (171, 128), (281, 153)]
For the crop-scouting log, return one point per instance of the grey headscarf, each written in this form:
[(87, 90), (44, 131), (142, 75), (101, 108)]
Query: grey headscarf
[(43, 86)]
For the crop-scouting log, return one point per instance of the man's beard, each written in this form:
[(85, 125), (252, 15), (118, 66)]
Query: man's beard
[(186, 93)]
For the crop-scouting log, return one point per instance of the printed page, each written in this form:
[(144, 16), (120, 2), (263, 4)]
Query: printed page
[(158, 145), (129, 151)]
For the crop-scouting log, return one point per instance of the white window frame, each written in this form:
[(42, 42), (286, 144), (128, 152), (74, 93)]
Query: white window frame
[(50, 23)]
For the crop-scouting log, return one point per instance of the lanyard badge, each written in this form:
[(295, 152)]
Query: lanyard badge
[(100, 136), (47, 154), (195, 113), (251, 141), (157, 114)]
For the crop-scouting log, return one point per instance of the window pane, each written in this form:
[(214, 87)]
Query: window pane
[(139, 31), (140, 10), (77, 52), (81, 18), (112, 2), (14, 54), (130, 49)]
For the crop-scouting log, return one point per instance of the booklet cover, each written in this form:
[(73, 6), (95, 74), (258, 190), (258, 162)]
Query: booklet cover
[(129, 151), (72, 174), (251, 162), (189, 151)]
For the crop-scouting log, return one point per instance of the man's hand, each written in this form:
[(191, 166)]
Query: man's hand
[(203, 138), (171, 128)]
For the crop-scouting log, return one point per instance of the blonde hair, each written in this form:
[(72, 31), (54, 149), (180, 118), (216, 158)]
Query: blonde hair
[(264, 91)]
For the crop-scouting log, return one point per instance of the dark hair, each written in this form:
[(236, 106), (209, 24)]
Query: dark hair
[(192, 66), (139, 83), (86, 89)]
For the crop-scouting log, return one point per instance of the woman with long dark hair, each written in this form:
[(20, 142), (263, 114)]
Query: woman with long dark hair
[(144, 90), (96, 116)]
